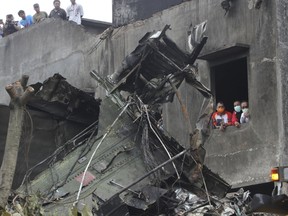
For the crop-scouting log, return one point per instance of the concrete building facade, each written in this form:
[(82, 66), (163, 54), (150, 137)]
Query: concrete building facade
[(246, 44), (128, 11)]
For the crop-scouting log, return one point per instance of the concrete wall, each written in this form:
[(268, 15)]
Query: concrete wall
[(241, 156), (128, 11), (282, 77)]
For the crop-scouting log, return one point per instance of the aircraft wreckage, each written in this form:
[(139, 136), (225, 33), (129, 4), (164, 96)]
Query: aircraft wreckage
[(125, 162)]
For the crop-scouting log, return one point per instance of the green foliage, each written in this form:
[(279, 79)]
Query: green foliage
[(33, 206), (4, 213), (85, 211), (74, 211)]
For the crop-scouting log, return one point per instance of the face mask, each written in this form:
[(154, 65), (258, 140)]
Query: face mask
[(237, 108), (245, 110), (220, 110)]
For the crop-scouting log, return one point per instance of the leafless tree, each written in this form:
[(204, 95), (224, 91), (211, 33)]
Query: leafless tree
[(19, 95)]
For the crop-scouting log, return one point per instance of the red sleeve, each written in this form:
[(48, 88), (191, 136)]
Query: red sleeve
[(214, 119), (234, 118), (229, 118)]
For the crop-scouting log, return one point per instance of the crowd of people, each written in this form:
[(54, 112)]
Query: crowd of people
[(222, 118), (74, 13)]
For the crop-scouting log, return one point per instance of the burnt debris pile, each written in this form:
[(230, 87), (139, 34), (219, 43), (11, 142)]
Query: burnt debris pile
[(130, 165)]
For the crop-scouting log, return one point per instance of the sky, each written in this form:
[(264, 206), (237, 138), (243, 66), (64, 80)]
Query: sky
[(93, 9)]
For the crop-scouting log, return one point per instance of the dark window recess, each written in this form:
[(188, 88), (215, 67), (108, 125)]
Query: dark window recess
[(265, 188), (229, 82)]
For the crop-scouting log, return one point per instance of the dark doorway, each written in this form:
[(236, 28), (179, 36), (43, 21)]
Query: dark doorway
[(229, 82)]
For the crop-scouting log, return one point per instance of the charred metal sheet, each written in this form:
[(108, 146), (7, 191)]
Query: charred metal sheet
[(148, 196), (187, 201), (127, 165), (114, 208), (57, 97), (153, 65), (215, 185), (196, 34)]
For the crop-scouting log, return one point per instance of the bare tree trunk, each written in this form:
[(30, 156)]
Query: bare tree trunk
[(19, 95)]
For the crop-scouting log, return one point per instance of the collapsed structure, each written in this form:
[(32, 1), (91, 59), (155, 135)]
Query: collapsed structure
[(245, 44), (125, 162), (129, 160)]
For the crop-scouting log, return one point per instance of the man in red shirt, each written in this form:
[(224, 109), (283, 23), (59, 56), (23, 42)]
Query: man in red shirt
[(221, 118), (236, 114)]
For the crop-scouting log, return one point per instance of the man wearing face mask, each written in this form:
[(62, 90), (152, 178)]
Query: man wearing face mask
[(236, 115), (221, 118), (245, 116)]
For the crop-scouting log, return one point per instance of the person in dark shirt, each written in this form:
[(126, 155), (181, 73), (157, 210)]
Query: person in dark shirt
[(10, 25), (57, 12), (236, 114)]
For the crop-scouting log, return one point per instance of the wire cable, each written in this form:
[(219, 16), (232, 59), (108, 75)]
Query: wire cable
[(204, 182), (97, 147), (168, 153)]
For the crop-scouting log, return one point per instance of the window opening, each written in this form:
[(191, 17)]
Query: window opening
[(229, 82)]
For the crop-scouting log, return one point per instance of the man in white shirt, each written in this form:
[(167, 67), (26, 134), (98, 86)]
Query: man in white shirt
[(75, 12)]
